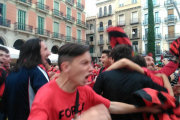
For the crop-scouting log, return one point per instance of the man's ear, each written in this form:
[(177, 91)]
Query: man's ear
[(65, 66)]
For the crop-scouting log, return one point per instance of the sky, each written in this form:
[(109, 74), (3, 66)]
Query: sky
[(90, 8)]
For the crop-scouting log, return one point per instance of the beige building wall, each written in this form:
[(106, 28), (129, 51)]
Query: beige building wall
[(128, 17)]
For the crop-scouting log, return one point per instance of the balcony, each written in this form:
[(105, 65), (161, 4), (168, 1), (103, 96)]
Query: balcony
[(155, 4), (134, 36), (134, 21), (42, 32), (23, 28), (157, 20), (169, 3), (71, 39), (172, 36), (92, 42), (171, 19), (5, 23), (81, 23), (42, 7), (145, 22), (27, 3), (79, 6), (70, 2), (145, 37), (58, 36), (101, 42), (110, 13), (70, 19), (81, 41), (57, 13), (121, 23), (108, 42), (90, 31), (100, 29), (158, 36), (105, 14), (99, 15)]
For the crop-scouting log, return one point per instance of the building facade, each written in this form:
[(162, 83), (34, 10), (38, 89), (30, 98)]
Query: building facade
[(167, 22), (128, 17), (105, 18), (54, 21), (91, 37)]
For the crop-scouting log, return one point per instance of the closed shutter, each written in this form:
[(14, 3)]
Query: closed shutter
[(41, 4), (68, 33), (134, 17), (79, 18), (171, 31), (21, 19), (79, 36), (4, 11), (91, 50), (56, 8), (68, 13), (40, 25), (56, 29)]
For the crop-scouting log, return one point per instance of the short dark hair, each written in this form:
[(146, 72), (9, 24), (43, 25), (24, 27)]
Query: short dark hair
[(107, 52), (138, 59), (121, 51), (48, 61), (29, 54), (69, 51), (4, 49)]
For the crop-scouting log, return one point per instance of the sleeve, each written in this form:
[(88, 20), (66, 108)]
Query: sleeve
[(98, 86), (39, 109), (37, 80), (168, 69), (147, 82), (95, 99)]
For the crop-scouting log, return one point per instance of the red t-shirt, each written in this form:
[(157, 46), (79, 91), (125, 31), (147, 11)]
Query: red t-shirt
[(154, 78), (52, 103)]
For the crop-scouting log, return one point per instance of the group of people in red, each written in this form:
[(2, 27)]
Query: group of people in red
[(127, 87)]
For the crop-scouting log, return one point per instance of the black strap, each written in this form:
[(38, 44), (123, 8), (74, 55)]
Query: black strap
[(76, 104)]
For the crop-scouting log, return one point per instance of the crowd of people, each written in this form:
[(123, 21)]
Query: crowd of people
[(126, 87)]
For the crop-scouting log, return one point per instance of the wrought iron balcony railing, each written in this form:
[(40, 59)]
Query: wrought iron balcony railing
[(5, 22), (23, 27), (42, 32), (79, 6), (57, 13), (42, 6)]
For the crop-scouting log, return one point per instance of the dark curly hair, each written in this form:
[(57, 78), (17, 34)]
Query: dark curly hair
[(121, 51), (138, 59)]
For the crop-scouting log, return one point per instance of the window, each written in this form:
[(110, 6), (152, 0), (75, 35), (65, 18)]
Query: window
[(68, 33), (156, 17), (91, 38), (157, 30), (121, 3), (91, 26), (110, 9), (100, 12), (134, 1), (41, 4), (79, 18), (105, 10), (146, 19), (158, 48), (56, 29), (40, 25), (121, 20), (69, 13), (134, 33), (146, 48), (134, 17), (135, 46), (101, 24), (79, 36), (21, 20), (56, 8), (154, 2), (101, 37), (101, 49), (109, 22), (91, 49), (3, 10), (146, 33)]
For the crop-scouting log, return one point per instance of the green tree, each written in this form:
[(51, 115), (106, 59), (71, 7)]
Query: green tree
[(151, 34)]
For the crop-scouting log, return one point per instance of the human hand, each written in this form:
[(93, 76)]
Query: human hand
[(153, 109)]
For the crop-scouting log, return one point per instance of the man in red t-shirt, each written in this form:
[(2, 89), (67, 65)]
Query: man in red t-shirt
[(67, 97)]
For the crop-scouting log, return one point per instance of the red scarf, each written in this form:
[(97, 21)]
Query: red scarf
[(42, 67)]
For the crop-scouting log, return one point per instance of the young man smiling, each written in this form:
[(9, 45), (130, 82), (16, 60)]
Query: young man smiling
[(67, 96)]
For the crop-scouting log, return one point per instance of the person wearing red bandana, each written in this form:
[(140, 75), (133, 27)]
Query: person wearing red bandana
[(25, 79)]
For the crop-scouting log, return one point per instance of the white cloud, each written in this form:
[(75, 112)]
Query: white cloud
[(90, 8)]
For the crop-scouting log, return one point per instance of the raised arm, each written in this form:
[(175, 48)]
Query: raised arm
[(125, 63)]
